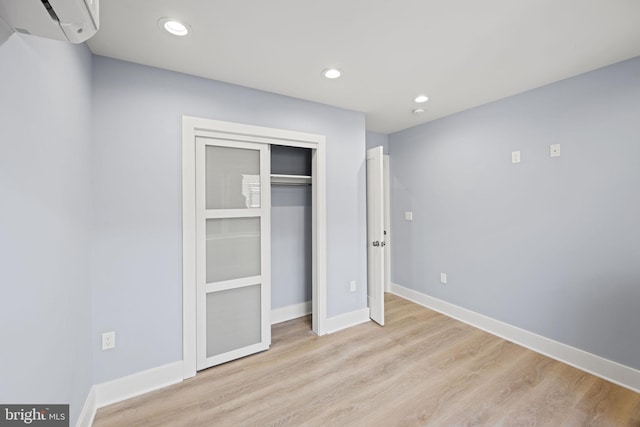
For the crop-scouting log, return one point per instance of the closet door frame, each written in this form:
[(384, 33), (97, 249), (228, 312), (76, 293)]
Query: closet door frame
[(193, 127)]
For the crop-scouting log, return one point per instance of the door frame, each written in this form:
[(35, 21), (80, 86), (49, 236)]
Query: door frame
[(193, 127)]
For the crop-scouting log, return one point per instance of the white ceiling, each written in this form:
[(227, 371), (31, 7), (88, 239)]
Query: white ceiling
[(461, 53)]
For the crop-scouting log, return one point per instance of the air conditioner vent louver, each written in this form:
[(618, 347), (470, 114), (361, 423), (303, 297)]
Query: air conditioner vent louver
[(70, 20), (49, 8)]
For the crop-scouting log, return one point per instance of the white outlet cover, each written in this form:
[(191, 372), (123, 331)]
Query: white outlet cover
[(353, 286), (515, 157), (554, 150), (108, 340), (408, 216), (443, 278)]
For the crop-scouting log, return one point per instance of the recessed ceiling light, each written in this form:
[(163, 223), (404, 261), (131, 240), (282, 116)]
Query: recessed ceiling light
[(332, 73), (418, 111), (174, 27), (421, 98)]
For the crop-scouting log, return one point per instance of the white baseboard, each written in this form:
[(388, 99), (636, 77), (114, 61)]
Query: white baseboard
[(622, 375), (124, 388), (347, 320), (136, 384), (89, 409), (289, 312)]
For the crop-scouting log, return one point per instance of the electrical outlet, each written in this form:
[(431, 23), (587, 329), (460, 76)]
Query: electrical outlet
[(515, 157), (443, 278), (408, 216), (108, 340), (554, 150), (353, 286)]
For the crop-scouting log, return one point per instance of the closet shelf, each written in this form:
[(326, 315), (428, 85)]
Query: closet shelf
[(290, 179)]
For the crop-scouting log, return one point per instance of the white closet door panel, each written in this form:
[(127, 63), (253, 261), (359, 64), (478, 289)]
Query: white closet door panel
[(232, 254), (232, 213), (233, 319), (232, 284), (233, 248), (232, 178)]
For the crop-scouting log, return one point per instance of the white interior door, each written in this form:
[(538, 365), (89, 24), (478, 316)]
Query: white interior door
[(375, 235), (233, 301), (387, 222)]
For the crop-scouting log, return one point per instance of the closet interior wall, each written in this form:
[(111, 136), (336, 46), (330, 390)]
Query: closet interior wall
[(291, 231)]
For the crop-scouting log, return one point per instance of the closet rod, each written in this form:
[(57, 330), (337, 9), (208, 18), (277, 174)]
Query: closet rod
[(290, 179)]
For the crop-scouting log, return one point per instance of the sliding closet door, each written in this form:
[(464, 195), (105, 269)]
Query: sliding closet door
[(233, 250)]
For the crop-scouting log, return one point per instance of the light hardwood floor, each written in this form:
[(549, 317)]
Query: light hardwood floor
[(421, 369)]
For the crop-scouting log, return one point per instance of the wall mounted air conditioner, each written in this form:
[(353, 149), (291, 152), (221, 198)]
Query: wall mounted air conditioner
[(69, 20)]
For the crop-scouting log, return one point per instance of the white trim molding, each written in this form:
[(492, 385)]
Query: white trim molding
[(614, 372), (133, 385), (88, 413), (282, 314), (347, 320), (114, 391)]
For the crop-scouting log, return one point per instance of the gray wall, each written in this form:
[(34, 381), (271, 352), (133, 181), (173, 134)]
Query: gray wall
[(136, 269), (5, 31), (291, 233), (291, 264), (550, 244), (375, 139), (45, 315)]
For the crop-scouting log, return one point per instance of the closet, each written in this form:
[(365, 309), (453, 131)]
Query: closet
[(291, 237), (254, 237)]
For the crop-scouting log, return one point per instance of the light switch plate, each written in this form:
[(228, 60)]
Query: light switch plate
[(554, 150), (515, 157)]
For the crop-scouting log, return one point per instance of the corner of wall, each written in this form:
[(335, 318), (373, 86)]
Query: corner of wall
[(5, 31), (347, 320), (89, 410)]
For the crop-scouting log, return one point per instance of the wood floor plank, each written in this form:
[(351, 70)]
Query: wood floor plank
[(553, 398), (421, 368), (608, 404), (513, 381)]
